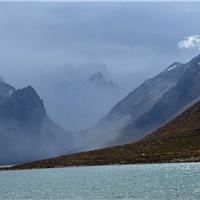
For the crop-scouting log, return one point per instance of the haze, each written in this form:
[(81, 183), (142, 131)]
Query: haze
[(53, 45)]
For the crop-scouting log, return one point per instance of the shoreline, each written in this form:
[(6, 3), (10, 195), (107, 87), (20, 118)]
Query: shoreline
[(19, 168)]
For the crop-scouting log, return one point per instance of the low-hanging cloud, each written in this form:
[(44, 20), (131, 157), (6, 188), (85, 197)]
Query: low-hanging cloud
[(190, 42), (53, 45)]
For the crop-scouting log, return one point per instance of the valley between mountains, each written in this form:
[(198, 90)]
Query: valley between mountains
[(157, 122), (177, 141)]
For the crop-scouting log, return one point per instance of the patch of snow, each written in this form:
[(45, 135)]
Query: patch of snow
[(171, 67)]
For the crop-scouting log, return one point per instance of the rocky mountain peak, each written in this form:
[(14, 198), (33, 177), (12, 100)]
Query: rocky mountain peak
[(97, 77), (25, 106), (99, 80), (5, 90), (26, 131), (29, 90)]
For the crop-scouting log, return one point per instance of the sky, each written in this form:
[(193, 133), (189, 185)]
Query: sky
[(45, 43), (128, 38)]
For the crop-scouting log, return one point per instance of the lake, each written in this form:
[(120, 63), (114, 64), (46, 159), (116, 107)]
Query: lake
[(150, 181)]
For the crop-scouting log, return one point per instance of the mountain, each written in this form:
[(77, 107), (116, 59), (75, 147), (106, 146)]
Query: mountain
[(98, 83), (149, 106), (26, 131), (5, 91), (82, 103), (99, 80), (177, 141), (178, 98)]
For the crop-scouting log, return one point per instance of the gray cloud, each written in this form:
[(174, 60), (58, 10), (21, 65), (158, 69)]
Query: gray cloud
[(40, 43)]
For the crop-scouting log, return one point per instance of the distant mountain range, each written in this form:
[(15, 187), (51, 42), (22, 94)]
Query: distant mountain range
[(26, 131), (146, 108)]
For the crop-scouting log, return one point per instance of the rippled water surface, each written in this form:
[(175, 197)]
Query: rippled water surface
[(157, 181)]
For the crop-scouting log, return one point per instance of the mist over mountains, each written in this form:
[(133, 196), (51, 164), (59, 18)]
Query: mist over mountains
[(26, 131), (149, 106), (175, 142), (84, 76), (79, 98)]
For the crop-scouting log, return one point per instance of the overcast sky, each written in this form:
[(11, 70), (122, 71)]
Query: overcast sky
[(133, 41)]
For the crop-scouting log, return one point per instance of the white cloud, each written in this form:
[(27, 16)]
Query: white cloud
[(190, 42)]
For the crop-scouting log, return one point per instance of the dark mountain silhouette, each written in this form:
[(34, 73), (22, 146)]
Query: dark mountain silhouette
[(26, 131)]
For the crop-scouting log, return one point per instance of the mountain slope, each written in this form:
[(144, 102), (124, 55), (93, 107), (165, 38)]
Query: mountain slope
[(26, 131), (149, 106), (177, 141), (178, 98), (5, 91)]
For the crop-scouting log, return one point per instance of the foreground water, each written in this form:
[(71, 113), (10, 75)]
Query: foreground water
[(157, 181)]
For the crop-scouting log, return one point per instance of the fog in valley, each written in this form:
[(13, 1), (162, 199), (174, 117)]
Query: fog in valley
[(58, 47)]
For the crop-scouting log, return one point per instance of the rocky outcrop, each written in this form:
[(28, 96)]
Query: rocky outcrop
[(26, 131)]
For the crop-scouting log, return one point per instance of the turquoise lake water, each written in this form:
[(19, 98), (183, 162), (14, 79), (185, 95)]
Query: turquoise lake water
[(155, 181)]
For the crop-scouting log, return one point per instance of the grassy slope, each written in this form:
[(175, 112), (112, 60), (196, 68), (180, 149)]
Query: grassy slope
[(177, 141)]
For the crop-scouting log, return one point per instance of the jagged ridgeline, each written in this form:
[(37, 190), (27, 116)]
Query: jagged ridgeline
[(26, 131)]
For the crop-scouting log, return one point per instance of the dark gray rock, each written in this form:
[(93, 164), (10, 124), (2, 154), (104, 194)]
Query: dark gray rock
[(26, 131)]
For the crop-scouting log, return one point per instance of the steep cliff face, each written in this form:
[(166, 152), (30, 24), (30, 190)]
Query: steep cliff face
[(26, 131), (24, 107)]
